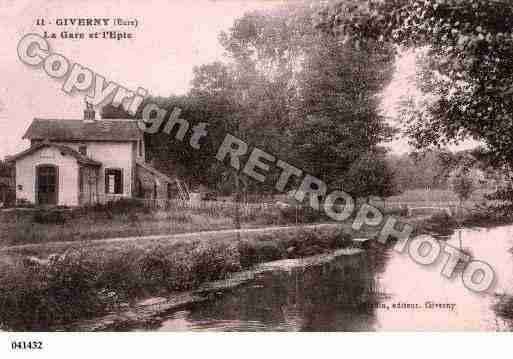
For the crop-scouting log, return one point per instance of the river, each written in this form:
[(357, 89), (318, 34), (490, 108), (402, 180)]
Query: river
[(380, 290)]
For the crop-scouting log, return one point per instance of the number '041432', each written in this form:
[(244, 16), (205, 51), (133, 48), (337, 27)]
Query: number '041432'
[(26, 345)]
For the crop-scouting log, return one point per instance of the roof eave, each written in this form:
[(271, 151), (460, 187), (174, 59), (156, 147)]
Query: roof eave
[(86, 161), (131, 139)]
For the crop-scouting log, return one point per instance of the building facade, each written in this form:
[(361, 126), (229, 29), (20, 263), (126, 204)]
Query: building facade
[(80, 162)]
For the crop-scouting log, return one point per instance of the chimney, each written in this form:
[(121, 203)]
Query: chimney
[(89, 113)]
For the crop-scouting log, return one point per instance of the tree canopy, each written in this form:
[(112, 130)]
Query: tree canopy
[(300, 93), (469, 62), (291, 90)]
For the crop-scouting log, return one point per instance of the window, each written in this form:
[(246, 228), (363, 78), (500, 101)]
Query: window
[(83, 150), (140, 146), (81, 180), (113, 181), (169, 190)]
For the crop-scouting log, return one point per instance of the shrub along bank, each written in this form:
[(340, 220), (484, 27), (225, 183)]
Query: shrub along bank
[(76, 284)]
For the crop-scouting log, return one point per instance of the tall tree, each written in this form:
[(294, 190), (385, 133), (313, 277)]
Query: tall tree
[(339, 117), (468, 65), (303, 95), (176, 157), (370, 175)]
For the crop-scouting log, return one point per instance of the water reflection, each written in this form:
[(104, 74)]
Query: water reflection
[(411, 283), (340, 295), (377, 290)]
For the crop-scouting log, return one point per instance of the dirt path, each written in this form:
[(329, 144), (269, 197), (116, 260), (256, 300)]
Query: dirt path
[(208, 235)]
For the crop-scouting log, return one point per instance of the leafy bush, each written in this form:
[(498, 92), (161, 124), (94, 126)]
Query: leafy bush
[(399, 212), (502, 208), (463, 185), (76, 285), (301, 214), (156, 272), (264, 251), (10, 196), (44, 216), (443, 219), (296, 244), (214, 262), (440, 223), (34, 296), (311, 242), (24, 203), (120, 206), (120, 274), (180, 217), (161, 269), (504, 307)]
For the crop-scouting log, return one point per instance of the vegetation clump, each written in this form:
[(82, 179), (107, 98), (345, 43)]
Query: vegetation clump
[(74, 284)]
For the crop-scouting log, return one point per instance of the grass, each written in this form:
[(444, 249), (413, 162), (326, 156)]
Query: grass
[(92, 278), (434, 195), (86, 228), (88, 277), (128, 218)]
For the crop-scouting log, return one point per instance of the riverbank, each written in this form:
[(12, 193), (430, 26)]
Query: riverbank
[(65, 283), (48, 285), (149, 312), (442, 224)]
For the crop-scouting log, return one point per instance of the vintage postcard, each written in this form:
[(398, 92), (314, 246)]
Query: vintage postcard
[(249, 166)]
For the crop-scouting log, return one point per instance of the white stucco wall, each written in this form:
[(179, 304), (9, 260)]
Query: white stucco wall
[(111, 155), (67, 171)]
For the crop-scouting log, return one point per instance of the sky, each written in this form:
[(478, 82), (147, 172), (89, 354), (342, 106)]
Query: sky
[(171, 38)]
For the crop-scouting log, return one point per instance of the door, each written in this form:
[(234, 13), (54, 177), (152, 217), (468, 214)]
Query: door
[(46, 185)]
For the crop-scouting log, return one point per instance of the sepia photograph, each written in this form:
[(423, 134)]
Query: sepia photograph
[(255, 166)]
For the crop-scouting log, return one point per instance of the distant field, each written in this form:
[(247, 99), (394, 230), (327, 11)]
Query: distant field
[(435, 195)]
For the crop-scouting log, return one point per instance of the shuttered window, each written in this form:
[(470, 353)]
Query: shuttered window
[(113, 181)]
